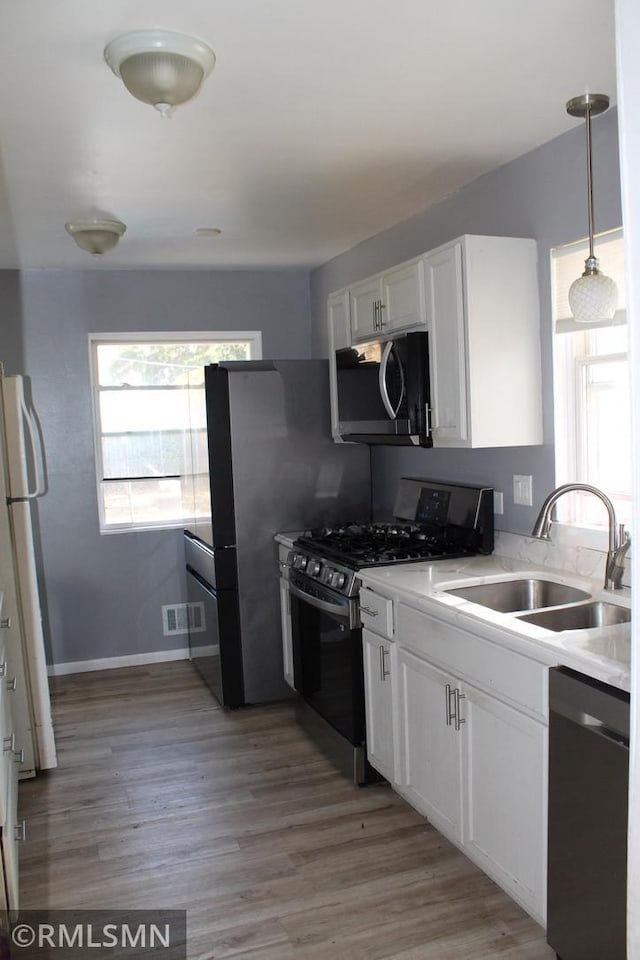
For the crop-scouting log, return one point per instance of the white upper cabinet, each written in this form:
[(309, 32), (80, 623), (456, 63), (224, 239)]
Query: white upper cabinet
[(389, 303), (338, 317), (365, 299), (477, 297), (484, 342)]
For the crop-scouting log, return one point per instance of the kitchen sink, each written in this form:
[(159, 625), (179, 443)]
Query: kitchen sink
[(580, 616), (507, 596)]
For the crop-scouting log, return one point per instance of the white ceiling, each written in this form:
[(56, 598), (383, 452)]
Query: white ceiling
[(323, 122)]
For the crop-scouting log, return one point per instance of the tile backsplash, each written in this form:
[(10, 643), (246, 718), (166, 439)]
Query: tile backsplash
[(583, 561)]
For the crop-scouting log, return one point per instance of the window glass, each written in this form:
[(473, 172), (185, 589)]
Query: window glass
[(150, 425), (591, 393)]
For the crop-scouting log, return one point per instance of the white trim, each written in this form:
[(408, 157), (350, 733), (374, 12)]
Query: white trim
[(181, 336), (114, 663)]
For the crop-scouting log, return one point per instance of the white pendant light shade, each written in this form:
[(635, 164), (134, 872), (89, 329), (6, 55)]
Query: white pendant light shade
[(160, 68), (95, 236), (593, 297)]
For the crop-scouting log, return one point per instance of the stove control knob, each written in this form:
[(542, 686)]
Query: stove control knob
[(338, 580), (302, 561), (313, 568)]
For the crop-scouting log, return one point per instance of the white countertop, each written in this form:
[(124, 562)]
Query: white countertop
[(600, 652), (286, 539)]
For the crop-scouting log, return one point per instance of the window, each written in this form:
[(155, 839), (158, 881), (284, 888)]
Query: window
[(591, 391), (150, 425)]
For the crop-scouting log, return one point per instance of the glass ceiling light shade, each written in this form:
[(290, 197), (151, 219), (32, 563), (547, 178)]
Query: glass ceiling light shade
[(161, 68), (95, 236), (593, 296)]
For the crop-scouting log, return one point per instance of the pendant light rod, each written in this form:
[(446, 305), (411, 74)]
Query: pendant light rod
[(586, 106), (589, 179), (593, 297)]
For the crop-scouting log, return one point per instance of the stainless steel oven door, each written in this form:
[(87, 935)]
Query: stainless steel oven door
[(327, 656)]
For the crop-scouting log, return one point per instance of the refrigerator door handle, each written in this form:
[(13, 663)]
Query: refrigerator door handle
[(31, 433)]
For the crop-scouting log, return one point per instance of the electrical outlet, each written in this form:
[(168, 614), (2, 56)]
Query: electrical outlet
[(498, 501), (523, 490)]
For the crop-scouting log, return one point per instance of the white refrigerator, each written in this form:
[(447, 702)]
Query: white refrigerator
[(22, 479)]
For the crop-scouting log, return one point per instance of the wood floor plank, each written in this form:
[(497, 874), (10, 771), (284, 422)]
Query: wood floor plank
[(162, 799)]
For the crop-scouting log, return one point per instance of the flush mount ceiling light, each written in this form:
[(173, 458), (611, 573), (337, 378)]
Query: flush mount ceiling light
[(593, 296), (161, 68), (95, 236)]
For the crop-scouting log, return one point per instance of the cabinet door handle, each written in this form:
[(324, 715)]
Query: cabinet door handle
[(449, 695), (18, 755), (376, 321), (5, 623), (458, 697), (381, 306), (369, 612), (384, 673), (3, 668), (9, 743), (21, 831), (12, 684)]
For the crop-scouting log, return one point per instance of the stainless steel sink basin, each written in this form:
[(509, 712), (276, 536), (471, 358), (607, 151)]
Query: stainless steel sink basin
[(580, 617), (507, 596)]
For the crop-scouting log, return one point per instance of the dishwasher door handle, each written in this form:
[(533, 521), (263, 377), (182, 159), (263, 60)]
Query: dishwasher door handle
[(593, 725)]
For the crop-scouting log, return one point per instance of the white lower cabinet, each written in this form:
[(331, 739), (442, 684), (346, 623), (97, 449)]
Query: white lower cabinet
[(285, 614), (504, 783), (462, 734), (430, 746), (379, 678)]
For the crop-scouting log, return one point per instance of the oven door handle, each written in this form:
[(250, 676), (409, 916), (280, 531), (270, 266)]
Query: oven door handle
[(337, 609)]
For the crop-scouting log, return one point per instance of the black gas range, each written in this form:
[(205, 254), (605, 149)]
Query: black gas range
[(433, 521)]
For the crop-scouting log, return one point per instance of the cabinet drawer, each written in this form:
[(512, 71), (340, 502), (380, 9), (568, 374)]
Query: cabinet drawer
[(376, 613), (510, 676)]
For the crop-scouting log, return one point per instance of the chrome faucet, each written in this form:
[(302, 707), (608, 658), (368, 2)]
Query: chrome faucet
[(619, 540)]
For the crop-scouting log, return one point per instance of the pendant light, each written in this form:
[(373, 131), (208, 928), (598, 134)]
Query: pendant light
[(159, 67), (593, 296)]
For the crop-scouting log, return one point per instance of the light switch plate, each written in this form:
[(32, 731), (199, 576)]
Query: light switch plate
[(498, 501), (523, 490)]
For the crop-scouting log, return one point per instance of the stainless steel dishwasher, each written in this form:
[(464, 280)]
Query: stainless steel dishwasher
[(588, 783)]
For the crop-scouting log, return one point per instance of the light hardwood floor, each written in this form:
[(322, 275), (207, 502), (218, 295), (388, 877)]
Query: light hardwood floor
[(162, 799)]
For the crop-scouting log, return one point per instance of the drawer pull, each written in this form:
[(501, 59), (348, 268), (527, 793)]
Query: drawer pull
[(18, 755), (369, 612), (12, 684), (3, 668), (9, 743), (5, 623), (21, 831)]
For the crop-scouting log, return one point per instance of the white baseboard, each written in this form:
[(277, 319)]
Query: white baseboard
[(112, 663)]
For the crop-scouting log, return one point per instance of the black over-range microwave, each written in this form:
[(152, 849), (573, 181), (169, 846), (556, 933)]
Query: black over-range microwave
[(383, 391)]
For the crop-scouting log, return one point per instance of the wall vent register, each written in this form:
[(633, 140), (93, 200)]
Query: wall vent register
[(180, 618)]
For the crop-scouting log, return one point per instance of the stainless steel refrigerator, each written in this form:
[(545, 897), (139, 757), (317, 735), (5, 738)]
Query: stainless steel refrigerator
[(272, 466)]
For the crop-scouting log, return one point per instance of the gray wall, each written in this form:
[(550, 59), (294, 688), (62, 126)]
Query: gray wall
[(11, 352), (540, 195), (104, 593)]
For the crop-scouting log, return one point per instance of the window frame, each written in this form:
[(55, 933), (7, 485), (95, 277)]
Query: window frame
[(253, 337), (571, 358)]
